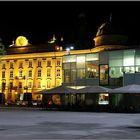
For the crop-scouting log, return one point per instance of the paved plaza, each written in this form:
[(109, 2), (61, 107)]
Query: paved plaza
[(38, 124)]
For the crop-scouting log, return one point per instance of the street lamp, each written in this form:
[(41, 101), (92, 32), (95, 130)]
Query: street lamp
[(68, 49)]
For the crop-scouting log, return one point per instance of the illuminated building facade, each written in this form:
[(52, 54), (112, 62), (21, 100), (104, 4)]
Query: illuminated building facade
[(26, 68)]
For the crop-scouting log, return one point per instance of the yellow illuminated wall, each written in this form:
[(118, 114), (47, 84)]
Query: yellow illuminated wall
[(29, 73)]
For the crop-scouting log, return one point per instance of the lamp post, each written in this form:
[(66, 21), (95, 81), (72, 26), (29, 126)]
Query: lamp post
[(68, 49)]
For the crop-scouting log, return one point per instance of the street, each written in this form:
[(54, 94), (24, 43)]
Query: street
[(39, 124)]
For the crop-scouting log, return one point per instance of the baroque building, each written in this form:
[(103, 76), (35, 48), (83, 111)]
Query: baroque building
[(26, 68)]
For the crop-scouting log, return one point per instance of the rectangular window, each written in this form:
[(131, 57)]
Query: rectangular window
[(73, 75), (3, 86), (48, 63), (3, 66), (48, 72), (103, 99), (30, 64), (20, 65), (20, 84), (30, 73), (20, 73), (66, 76), (58, 72), (11, 74), (92, 69), (128, 59), (30, 84), (48, 84), (39, 63), (81, 74), (116, 58), (39, 73), (104, 79), (11, 65), (11, 86), (58, 63), (3, 74), (116, 72), (39, 84), (80, 61)]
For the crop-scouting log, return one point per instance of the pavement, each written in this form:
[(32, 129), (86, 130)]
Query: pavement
[(34, 124)]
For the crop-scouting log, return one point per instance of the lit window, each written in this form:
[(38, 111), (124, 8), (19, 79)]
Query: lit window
[(30, 64), (58, 83), (11, 65), (58, 63), (58, 72), (20, 73), (11, 74), (39, 63), (39, 84), (30, 73), (20, 84), (48, 63), (3, 66), (11, 86), (3, 74), (20, 65), (48, 72), (30, 84), (49, 84), (39, 73), (103, 98)]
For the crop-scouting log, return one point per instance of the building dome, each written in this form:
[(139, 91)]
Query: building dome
[(109, 33)]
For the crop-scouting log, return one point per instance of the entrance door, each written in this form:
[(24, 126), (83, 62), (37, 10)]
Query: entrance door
[(104, 72)]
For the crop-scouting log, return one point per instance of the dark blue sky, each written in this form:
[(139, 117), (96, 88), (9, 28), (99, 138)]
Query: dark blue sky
[(38, 21)]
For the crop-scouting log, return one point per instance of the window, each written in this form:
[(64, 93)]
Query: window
[(20, 65), (104, 75), (30, 64), (39, 84), (58, 63), (48, 84), (30, 84), (3, 74), (20, 73), (11, 86), (39, 73), (103, 99), (91, 69), (58, 72), (81, 74), (80, 61), (3, 86), (116, 58), (11, 74), (48, 63), (30, 73), (20, 84), (128, 59), (11, 65), (48, 72), (3, 66), (39, 63), (116, 72), (67, 76), (57, 82)]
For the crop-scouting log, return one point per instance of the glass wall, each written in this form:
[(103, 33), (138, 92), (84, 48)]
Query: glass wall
[(86, 68), (79, 68)]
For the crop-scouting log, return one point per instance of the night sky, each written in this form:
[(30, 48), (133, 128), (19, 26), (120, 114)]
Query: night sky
[(38, 21)]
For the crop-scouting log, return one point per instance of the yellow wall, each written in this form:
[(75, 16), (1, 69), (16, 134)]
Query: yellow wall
[(45, 81)]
